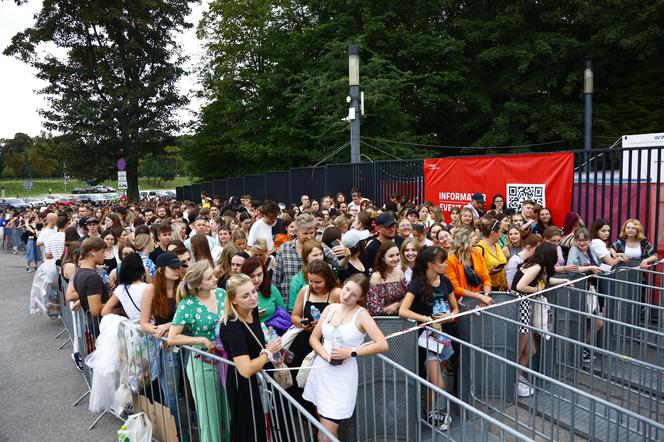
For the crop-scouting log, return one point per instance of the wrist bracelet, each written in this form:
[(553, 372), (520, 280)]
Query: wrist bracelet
[(267, 353)]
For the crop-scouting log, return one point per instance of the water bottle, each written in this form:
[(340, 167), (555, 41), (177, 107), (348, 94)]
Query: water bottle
[(437, 308), (266, 332), (444, 307), (336, 343), (315, 313)]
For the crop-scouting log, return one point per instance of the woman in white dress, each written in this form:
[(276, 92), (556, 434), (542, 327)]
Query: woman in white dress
[(332, 381)]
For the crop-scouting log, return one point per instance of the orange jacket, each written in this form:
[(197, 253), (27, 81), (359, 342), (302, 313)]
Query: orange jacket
[(454, 272)]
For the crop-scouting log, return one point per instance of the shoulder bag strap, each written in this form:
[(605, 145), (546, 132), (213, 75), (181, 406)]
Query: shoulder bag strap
[(252, 334), (131, 299)]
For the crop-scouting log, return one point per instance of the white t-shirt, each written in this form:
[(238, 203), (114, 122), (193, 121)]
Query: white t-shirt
[(633, 252), (599, 248), (260, 229), (45, 234), (512, 266), (55, 245), (130, 298)]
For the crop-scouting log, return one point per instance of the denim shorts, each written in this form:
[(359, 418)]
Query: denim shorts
[(445, 353)]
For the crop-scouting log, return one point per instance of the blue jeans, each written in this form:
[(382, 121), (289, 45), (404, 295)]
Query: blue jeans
[(34, 252), (170, 382), (16, 238)]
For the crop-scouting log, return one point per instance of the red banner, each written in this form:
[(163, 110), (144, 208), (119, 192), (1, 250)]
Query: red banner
[(544, 178)]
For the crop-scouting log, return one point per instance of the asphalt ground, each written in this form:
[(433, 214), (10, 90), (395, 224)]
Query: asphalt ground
[(38, 382)]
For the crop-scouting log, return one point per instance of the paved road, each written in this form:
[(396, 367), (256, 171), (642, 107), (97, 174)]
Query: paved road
[(38, 382)]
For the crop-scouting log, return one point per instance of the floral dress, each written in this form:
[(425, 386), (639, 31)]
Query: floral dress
[(383, 294), (196, 318)]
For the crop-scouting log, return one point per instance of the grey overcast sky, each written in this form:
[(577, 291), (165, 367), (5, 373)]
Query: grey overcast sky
[(19, 102)]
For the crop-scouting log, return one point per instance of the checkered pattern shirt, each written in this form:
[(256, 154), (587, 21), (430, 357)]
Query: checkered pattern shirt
[(289, 263)]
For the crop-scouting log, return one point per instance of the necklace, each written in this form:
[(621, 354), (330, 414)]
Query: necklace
[(346, 313)]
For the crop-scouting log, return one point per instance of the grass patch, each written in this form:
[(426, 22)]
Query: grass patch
[(46, 186)]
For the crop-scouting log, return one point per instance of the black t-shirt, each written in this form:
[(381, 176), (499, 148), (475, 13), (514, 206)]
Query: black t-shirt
[(88, 282), (371, 250), (238, 341), (155, 254), (425, 306)]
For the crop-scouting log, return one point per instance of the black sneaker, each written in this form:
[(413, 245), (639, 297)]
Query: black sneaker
[(78, 362)]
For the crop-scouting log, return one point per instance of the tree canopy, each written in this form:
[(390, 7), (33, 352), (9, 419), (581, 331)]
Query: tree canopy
[(435, 72), (113, 92)]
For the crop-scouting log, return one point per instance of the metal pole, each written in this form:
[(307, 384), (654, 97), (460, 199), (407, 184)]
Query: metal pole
[(588, 98), (354, 114)]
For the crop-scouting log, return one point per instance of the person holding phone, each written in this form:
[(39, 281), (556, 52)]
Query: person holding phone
[(431, 296), (494, 258)]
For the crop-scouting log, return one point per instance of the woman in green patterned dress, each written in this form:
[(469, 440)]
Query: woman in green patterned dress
[(200, 307)]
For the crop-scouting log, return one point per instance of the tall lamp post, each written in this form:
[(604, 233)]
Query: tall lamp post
[(355, 102), (588, 101)]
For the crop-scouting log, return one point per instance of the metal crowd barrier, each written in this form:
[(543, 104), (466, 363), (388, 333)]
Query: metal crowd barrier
[(614, 395), (401, 392), (181, 391)]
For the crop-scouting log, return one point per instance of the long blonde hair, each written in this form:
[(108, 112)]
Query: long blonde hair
[(192, 278), (462, 243), (405, 244), (233, 283)]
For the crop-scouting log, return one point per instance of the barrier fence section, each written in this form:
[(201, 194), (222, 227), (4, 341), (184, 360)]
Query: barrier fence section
[(596, 376), (614, 393)]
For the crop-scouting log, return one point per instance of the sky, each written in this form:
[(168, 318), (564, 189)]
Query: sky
[(19, 103)]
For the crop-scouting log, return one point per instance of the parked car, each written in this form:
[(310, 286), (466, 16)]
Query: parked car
[(14, 203), (35, 202), (166, 193), (78, 190), (100, 189)]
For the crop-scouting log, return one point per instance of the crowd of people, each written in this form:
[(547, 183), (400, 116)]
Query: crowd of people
[(242, 270)]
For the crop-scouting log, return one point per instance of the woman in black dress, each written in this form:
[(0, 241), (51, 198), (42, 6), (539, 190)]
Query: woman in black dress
[(244, 342)]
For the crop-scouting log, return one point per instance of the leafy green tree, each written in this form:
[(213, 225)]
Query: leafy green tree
[(433, 72), (114, 93), (163, 166)]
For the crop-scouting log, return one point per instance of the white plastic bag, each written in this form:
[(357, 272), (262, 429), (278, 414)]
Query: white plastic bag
[(105, 362), (541, 314), (121, 399), (138, 428), (592, 301), (44, 292)]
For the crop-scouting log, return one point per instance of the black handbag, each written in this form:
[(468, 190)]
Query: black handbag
[(472, 277)]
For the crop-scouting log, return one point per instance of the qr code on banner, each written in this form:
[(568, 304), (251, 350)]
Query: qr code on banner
[(518, 193)]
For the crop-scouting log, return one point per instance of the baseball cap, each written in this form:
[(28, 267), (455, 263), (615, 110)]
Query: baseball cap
[(385, 219), (353, 236), (477, 197), (411, 210), (168, 259)]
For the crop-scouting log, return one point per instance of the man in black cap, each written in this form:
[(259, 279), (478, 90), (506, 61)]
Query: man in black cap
[(386, 226), (476, 204), (91, 228)]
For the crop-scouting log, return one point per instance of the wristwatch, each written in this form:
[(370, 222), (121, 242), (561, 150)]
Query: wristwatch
[(353, 353)]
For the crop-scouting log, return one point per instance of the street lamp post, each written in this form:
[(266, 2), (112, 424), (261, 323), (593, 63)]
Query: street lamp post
[(588, 99), (354, 95)]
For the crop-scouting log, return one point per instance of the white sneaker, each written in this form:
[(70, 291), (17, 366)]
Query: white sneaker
[(524, 390), (440, 418)]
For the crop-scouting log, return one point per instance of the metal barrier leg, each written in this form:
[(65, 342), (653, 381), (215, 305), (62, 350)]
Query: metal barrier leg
[(64, 330), (78, 401), (64, 343)]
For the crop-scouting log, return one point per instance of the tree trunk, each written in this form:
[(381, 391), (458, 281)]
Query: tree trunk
[(132, 177)]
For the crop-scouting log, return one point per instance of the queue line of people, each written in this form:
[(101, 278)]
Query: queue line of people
[(250, 264)]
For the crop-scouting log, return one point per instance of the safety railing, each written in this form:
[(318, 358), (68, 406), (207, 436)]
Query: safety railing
[(613, 393), (184, 391)]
